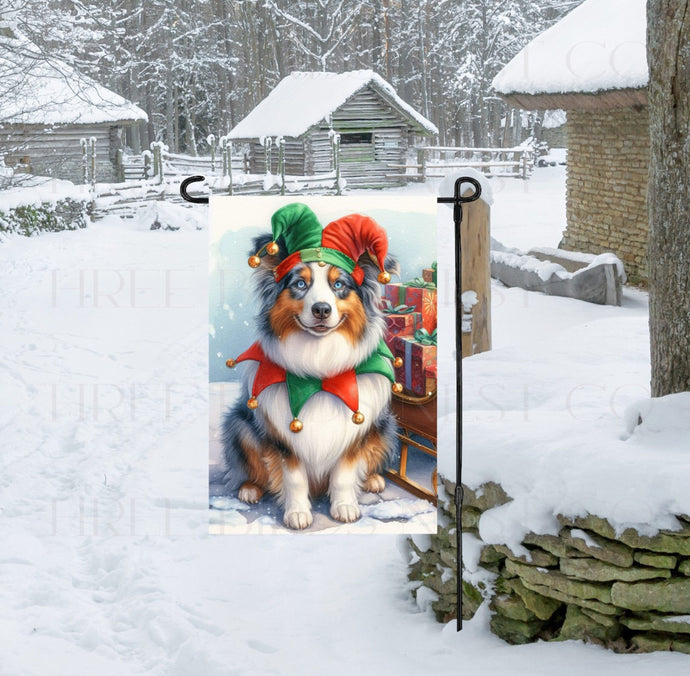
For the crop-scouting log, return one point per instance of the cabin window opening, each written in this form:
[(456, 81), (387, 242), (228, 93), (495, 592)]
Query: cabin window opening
[(357, 147), (356, 138)]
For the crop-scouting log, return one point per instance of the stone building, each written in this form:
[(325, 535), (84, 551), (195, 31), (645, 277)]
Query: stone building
[(593, 65)]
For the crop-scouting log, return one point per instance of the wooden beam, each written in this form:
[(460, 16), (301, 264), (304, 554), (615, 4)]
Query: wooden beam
[(604, 100)]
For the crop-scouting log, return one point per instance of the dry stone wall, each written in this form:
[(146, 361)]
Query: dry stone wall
[(625, 591), (608, 162)]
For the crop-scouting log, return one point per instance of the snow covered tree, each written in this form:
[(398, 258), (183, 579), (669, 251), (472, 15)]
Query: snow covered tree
[(668, 54), (318, 28), (199, 66)]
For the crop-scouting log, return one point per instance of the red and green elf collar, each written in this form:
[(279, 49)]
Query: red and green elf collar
[(340, 243), (301, 389)]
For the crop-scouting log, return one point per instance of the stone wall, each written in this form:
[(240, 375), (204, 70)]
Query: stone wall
[(608, 160), (628, 592)]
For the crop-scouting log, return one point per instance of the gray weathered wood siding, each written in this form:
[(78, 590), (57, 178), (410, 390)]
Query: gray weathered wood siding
[(57, 151), (368, 112), (361, 164), (294, 158)]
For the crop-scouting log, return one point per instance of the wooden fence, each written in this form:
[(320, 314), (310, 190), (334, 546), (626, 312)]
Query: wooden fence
[(438, 161), (159, 163), (230, 173), (226, 172)]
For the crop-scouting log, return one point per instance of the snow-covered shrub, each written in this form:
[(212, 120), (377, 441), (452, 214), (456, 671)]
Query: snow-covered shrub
[(33, 219)]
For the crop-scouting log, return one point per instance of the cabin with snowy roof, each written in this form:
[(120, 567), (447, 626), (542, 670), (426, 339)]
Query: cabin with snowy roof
[(376, 127), (48, 107), (593, 65)]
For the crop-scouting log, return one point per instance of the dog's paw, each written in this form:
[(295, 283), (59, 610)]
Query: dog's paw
[(345, 512), (374, 484), (298, 520), (250, 493)]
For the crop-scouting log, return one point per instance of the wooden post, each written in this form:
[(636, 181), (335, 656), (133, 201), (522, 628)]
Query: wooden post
[(157, 148), (281, 163), (476, 277), (228, 159), (154, 158), (148, 165), (335, 146), (421, 161), (84, 161), (268, 142), (224, 154), (120, 165), (212, 142), (92, 149)]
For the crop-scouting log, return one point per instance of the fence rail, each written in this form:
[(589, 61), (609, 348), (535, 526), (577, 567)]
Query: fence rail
[(437, 161), (232, 170), (146, 165)]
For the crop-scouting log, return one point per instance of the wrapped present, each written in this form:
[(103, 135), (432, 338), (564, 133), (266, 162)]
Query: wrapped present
[(417, 294), (431, 376), (394, 293), (416, 358), (429, 274), (423, 299), (403, 324), (401, 320)]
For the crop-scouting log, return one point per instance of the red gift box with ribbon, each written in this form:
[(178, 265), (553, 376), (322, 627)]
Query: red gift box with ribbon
[(416, 358), (422, 298), (401, 320)]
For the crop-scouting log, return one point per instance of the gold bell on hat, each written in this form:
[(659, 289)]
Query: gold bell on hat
[(397, 388), (398, 362), (230, 363), (254, 261), (272, 248), (252, 403), (296, 426), (358, 417), (384, 277)]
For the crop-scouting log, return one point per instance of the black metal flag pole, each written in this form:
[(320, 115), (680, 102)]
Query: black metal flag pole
[(457, 201)]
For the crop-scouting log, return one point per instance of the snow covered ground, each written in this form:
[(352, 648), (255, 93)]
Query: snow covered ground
[(106, 565)]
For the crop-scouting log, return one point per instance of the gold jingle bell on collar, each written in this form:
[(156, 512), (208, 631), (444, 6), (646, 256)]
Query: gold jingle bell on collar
[(296, 426)]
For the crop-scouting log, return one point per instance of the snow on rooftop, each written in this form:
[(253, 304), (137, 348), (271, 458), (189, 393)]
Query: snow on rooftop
[(600, 45), (36, 88), (303, 99)]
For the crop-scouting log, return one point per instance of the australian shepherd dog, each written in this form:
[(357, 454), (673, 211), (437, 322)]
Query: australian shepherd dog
[(318, 322)]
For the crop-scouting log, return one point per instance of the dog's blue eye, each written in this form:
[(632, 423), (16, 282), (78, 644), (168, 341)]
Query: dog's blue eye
[(301, 284), (338, 285)]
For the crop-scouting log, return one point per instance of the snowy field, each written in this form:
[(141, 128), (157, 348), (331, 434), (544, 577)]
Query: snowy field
[(106, 565)]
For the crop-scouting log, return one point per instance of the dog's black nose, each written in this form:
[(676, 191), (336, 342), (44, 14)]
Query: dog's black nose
[(321, 310)]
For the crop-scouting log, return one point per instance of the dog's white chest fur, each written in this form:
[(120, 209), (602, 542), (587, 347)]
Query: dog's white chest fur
[(328, 430)]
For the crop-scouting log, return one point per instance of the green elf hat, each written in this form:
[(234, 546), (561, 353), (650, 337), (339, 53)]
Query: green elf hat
[(340, 243)]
